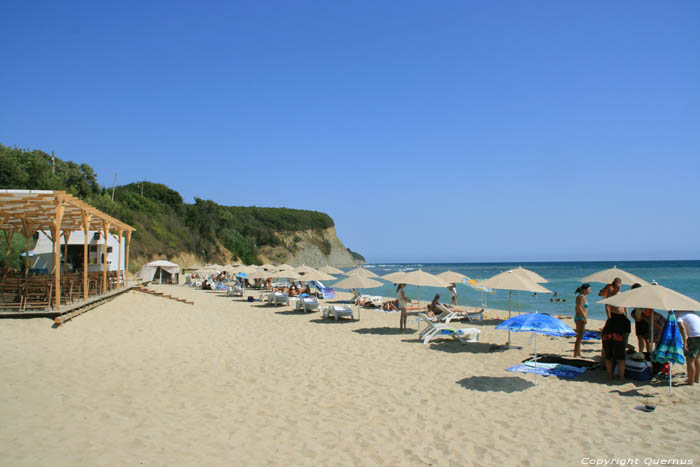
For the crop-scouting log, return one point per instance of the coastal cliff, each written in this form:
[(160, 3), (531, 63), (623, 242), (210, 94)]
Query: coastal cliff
[(313, 248)]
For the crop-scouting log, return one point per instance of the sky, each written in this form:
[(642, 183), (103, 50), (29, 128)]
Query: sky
[(462, 131)]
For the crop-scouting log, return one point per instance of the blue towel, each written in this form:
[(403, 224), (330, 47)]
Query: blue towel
[(545, 369)]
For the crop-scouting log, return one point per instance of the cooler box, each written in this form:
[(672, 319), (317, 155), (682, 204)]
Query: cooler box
[(637, 370)]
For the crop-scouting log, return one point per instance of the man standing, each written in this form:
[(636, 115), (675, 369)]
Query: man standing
[(689, 325), (610, 290), (452, 288)]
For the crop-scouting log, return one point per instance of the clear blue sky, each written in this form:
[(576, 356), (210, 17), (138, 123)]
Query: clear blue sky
[(429, 131)]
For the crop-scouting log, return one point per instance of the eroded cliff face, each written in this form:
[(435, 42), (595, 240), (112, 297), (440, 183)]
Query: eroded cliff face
[(312, 248)]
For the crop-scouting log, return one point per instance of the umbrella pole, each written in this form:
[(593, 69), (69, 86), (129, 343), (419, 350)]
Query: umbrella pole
[(509, 292)]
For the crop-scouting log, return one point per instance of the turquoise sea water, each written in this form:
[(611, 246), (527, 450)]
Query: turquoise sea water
[(682, 276)]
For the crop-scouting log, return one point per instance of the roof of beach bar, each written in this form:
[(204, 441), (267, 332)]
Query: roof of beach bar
[(38, 209)]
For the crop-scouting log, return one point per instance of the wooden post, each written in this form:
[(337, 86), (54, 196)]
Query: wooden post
[(28, 233), (66, 239), (86, 226), (126, 255), (119, 260), (60, 204), (8, 238), (105, 226)]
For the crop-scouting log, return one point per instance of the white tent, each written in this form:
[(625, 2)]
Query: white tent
[(160, 270)]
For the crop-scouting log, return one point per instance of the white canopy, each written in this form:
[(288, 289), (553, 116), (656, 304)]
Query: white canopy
[(148, 271)]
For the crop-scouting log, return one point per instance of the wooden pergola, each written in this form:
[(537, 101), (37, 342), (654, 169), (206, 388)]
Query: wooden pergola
[(58, 213)]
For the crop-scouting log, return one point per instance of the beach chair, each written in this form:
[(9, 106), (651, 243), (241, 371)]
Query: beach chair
[(447, 314), (266, 297), (464, 335), (338, 311), (235, 291), (279, 298), (12, 293), (323, 291), (310, 304)]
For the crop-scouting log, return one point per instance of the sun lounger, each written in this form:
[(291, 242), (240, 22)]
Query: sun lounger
[(310, 304), (279, 298), (266, 297), (448, 314), (443, 330), (235, 291), (338, 311)]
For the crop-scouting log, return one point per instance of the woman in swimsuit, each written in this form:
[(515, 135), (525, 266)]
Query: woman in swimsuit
[(403, 304), (581, 317)]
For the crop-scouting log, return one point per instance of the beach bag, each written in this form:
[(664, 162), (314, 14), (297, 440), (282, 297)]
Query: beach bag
[(639, 370), (251, 298)]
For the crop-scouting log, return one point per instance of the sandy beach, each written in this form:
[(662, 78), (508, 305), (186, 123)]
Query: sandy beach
[(148, 381)]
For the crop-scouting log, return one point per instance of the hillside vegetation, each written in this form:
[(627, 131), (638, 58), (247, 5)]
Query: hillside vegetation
[(165, 225)]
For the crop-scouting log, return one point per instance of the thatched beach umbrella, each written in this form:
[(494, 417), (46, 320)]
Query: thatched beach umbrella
[(357, 282), (360, 272), (394, 277), (315, 275), (532, 275), (609, 275), (452, 277), (330, 270)]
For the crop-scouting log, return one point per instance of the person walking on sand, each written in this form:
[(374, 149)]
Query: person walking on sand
[(581, 316), (689, 325), (403, 305)]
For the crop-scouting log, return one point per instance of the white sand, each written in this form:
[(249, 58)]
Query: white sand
[(144, 380)]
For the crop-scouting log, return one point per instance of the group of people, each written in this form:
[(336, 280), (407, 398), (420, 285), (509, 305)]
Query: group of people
[(617, 329), (401, 303)]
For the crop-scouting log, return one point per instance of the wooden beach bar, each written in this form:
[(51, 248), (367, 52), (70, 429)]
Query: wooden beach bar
[(57, 214)]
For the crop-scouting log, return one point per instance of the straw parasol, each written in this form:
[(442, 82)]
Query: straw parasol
[(452, 277), (330, 270), (609, 275), (654, 296), (303, 269), (532, 275), (360, 272), (510, 281), (315, 275), (394, 277), (357, 282)]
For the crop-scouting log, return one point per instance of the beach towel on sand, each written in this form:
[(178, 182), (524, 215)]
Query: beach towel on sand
[(548, 369)]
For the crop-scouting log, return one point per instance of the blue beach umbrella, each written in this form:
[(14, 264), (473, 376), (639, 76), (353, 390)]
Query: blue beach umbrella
[(670, 346), (537, 323)]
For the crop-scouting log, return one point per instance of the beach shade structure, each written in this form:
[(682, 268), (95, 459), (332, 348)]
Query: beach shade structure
[(283, 267), (670, 348), (360, 272), (268, 266), (609, 275), (655, 297), (510, 281), (330, 270), (452, 277), (286, 274), (532, 275), (303, 269), (315, 275), (359, 283), (537, 323), (394, 277), (160, 269)]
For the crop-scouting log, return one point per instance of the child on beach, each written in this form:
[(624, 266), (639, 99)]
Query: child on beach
[(581, 316), (432, 306)]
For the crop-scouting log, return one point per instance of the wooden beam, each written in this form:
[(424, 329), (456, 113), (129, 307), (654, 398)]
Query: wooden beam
[(57, 250), (28, 234), (86, 228), (126, 257), (119, 259), (105, 226)]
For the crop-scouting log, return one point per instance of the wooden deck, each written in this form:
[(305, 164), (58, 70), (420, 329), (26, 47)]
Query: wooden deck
[(70, 310)]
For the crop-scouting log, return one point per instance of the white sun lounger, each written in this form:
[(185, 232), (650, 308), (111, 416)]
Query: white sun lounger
[(464, 335), (448, 315), (279, 298), (310, 304), (338, 311)]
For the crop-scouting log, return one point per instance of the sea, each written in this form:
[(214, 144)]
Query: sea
[(564, 279)]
